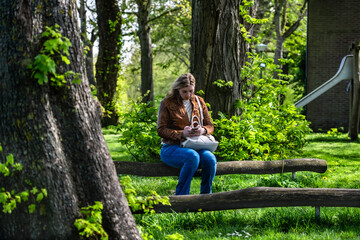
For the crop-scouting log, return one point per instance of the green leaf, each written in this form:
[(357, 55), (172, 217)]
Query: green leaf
[(50, 66), (44, 191), (41, 77), (52, 45), (24, 195), (3, 197), (34, 190), (65, 59), (31, 208), (10, 160), (4, 170), (40, 197), (18, 198)]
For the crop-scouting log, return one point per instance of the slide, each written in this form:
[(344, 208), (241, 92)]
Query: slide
[(345, 72)]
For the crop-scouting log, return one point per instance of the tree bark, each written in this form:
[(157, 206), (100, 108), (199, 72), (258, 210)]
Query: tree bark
[(280, 23), (224, 168), (89, 59), (355, 94), (54, 132), (260, 197), (218, 51), (147, 83), (107, 65)]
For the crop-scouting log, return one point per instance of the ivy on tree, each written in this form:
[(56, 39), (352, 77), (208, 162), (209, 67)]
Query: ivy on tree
[(54, 48)]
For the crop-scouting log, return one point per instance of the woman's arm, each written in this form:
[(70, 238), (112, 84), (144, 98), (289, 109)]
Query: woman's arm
[(163, 124)]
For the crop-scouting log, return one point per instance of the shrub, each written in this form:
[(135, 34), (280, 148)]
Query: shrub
[(138, 131), (269, 128)]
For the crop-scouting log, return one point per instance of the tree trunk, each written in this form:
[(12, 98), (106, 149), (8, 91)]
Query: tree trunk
[(54, 132), (260, 197), (280, 23), (279, 50), (89, 60), (89, 64), (355, 94), (147, 84), (218, 51), (107, 65), (224, 168)]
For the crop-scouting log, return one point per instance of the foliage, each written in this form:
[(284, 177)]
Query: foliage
[(172, 32), (297, 53), (267, 223), (143, 203), (249, 21), (138, 131), (9, 198), (54, 48), (170, 23), (90, 225), (335, 131), (270, 127), (294, 44), (140, 203), (175, 236), (164, 74)]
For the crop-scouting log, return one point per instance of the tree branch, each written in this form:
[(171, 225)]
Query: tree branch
[(293, 27), (163, 14)]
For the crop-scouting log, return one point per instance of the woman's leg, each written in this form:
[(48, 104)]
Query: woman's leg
[(208, 170), (184, 158)]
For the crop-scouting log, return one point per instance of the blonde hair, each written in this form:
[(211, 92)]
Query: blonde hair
[(184, 80)]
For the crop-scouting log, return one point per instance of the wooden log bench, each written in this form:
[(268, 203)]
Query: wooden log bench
[(225, 168), (257, 197), (261, 197)]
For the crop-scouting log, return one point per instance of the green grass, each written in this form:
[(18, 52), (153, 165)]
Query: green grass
[(118, 152), (343, 159)]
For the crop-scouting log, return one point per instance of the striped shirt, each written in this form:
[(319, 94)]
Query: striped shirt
[(188, 108)]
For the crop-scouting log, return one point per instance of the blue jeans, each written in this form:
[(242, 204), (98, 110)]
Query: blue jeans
[(189, 161)]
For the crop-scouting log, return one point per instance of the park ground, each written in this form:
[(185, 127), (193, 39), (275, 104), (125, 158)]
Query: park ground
[(343, 158)]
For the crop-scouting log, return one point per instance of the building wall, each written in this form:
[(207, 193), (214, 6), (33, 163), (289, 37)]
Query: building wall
[(332, 27)]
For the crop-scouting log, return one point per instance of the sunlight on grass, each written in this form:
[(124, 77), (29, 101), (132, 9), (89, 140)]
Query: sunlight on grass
[(343, 158), (117, 151)]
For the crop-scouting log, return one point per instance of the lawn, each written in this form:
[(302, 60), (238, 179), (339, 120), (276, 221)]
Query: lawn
[(343, 158)]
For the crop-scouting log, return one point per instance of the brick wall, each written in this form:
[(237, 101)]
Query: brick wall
[(332, 26)]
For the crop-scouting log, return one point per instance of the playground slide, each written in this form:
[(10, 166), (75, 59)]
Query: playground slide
[(345, 72)]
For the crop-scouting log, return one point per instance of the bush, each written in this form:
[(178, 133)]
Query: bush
[(138, 131), (269, 128)]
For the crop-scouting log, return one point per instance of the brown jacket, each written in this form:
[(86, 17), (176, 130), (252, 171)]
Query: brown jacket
[(172, 118)]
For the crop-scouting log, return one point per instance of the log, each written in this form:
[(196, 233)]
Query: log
[(225, 168), (260, 197)]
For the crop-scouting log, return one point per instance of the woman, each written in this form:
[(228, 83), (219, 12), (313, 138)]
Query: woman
[(175, 113)]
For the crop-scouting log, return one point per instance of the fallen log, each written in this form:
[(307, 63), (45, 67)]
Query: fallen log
[(225, 168), (260, 197)]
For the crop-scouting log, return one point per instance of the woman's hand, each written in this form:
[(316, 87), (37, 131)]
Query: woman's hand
[(193, 132), (187, 132), (197, 131)]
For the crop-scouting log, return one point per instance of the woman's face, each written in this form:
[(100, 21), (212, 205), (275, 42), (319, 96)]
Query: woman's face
[(186, 92)]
